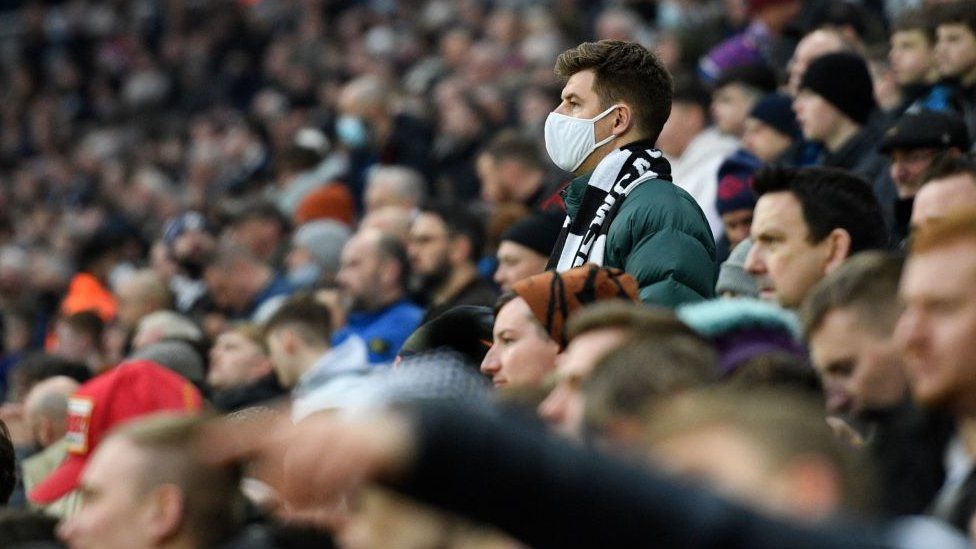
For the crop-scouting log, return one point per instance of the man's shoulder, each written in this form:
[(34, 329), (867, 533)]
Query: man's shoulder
[(659, 199)]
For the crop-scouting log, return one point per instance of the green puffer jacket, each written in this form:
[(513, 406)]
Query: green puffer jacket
[(661, 238)]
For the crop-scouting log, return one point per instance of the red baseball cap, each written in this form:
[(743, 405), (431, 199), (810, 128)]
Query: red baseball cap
[(128, 391)]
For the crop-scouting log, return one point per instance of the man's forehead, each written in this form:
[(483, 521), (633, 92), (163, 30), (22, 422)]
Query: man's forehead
[(579, 83), (778, 209), (427, 223), (952, 265)]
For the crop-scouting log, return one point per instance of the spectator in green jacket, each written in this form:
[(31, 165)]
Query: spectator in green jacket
[(623, 210)]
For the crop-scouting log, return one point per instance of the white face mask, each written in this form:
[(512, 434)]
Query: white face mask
[(569, 141)]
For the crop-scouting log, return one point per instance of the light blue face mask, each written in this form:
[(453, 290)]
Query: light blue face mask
[(352, 131), (305, 276)]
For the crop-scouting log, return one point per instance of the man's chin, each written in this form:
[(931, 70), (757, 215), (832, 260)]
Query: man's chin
[(768, 294)]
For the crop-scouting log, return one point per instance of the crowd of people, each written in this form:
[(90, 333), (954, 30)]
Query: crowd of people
[(424, 273)]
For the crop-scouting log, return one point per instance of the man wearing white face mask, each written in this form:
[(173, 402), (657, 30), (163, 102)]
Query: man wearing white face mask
[(623, 210), (372, 134)]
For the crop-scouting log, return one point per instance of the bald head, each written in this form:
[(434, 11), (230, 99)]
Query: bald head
[(46, 407), (362, 95), (390, 220), (394, 186), (140, 294), (818, 43)]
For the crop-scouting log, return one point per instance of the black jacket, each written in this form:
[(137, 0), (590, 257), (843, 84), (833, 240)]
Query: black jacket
[(548, 493)]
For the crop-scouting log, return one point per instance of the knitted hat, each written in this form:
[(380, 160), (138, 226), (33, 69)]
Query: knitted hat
[(843, 80), (732, 276), (332, 201), (735, 183), (776, 111), (324, 239), (926, 130), (177, 355), (538, 232), (742, 329), (553, 296)]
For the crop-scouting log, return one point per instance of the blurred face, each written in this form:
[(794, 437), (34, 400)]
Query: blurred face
[(131, 304), (818, 119), (429, 245), (492, 188), (861, 370), (563, 408), (907, 167), (937, 331), (719, 458), (939, 196), (516, 262), (236, 360), (782, 258), (687, 120), (737, 224), (280, 350), (911, 56), (223, 290), (113, 512), (193, 246), (359, 273), (730, 108), (955, 51), (764, 141), (522, 354)]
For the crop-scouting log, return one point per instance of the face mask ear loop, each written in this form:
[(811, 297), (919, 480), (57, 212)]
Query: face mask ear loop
[(600, 117)]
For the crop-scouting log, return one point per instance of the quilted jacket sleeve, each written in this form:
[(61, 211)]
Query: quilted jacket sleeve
[(660, 236)]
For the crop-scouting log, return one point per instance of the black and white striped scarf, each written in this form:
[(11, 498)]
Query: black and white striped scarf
[(583, 238)]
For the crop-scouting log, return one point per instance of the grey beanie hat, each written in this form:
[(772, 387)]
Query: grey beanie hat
[(732, 277), (324, 238), (177, 355)]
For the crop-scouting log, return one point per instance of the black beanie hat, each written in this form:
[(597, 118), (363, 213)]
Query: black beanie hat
[(538, 232), (843, 80), (776, 111)]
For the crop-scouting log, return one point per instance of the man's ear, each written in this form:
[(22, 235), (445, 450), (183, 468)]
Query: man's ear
[(623, 119), (838, 244), (45, 431), (166, 508)]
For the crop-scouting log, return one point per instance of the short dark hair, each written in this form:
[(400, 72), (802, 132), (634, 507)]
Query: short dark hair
[(957, 13), (309, 316), (262, 210), (215, 508), (831, 199), (759, 78), (916, 19), (636, 320), (8, 465), (630, 379), (459, 222), (625, 71), (37, 367), (866, 283), (513, 145), (88, 324)]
